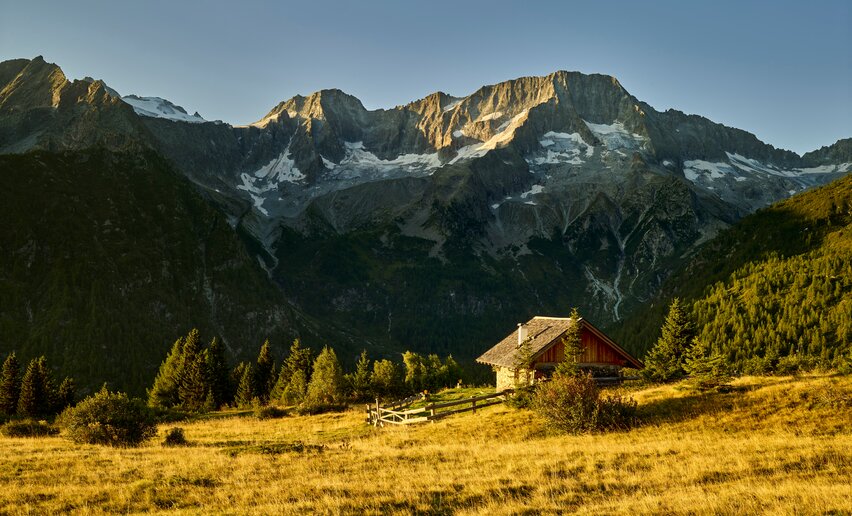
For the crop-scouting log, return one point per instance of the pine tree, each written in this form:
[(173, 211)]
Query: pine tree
[(264, 373), (326, 384), (666, 360), (194, 389), (10, 385), (245, 389), (164, 392), (359, 381), (704, 364), (221, 390), (299, 359), (66, 394), (33, 400), (453, 372), (572, 343)]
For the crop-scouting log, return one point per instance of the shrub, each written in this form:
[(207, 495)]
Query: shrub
[(109, 418), (28, 428), (574, 404), (175, 437), (269, 412)]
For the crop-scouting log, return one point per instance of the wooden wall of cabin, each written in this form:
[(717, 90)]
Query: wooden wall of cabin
[(595, 351)]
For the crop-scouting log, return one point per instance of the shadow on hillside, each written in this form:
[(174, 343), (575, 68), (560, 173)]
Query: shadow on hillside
[(696, 404)]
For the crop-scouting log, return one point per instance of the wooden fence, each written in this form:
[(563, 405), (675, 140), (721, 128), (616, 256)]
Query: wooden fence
[(396, 414)]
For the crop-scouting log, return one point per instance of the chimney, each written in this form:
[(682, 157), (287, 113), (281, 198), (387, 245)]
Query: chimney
[(522, 334)]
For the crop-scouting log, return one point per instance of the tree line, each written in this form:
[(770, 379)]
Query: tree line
[(35, 394), (197, 378)]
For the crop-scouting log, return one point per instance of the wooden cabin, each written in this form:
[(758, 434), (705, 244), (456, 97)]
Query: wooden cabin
[(544, 337)]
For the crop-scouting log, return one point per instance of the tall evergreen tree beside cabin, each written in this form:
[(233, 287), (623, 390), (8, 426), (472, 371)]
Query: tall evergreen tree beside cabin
[(667, 359), (573, 345), (10, 385)]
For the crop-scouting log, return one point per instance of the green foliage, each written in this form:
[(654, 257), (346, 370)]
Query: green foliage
[(774, 292), (573, 404), (667, 359), (269, 412), (28, 428), (573, 345), (385, 380), (38, 392), (175, 437), (66, 395), (164, 392), (221, 388), (296, 390), (325, 388), (521, 364), (245, 390), (415, 371), (359, 381), (298, 359), (10, 385), (264, 376), (109, 418), (125, 261)]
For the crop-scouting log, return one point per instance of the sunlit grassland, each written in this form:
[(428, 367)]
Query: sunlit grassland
[(772, 445)]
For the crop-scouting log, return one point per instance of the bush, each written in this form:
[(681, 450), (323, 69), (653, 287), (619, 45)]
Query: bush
[(28, 428), (574, 404), (269, 412), (175, 437), (109, 418)]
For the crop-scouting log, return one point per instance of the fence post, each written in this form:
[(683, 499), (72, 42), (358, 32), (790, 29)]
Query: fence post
[(474, 406), (378, 413)]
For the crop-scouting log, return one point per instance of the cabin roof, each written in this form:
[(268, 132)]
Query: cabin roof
[(542, 332)]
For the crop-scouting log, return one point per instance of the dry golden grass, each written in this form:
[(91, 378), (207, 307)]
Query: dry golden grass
[(773, 446)]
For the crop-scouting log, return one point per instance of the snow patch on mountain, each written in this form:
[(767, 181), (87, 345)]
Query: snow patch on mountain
[(452, 105), (357, 157), (156, 107), (615, 136), (491, 116), (504, 134), (269, 178), (562, 148)]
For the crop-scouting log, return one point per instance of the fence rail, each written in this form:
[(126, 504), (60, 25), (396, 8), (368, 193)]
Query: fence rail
[(393, 413)]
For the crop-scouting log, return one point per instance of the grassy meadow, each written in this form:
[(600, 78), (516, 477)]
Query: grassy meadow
[(772, 445)]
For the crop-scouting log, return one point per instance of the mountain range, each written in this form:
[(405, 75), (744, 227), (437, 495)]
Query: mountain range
[(434, 226)]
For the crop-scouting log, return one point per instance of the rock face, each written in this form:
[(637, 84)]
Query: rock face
[(439, 223)]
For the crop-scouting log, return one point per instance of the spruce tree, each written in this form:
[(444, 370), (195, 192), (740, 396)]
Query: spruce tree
[(217, 369), (194, 388), (33, 400), (299, 359), (66, 394), (245, 389), (164, 392), (666, 360), (264, 373), (573, 345), (10, 385), (359, 380), (326, 384)]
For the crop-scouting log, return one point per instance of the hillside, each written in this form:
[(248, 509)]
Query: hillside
[(772, 445), (778, 283), (105, 258)]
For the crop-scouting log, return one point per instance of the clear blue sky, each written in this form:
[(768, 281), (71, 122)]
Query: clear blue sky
[(782, 70)]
